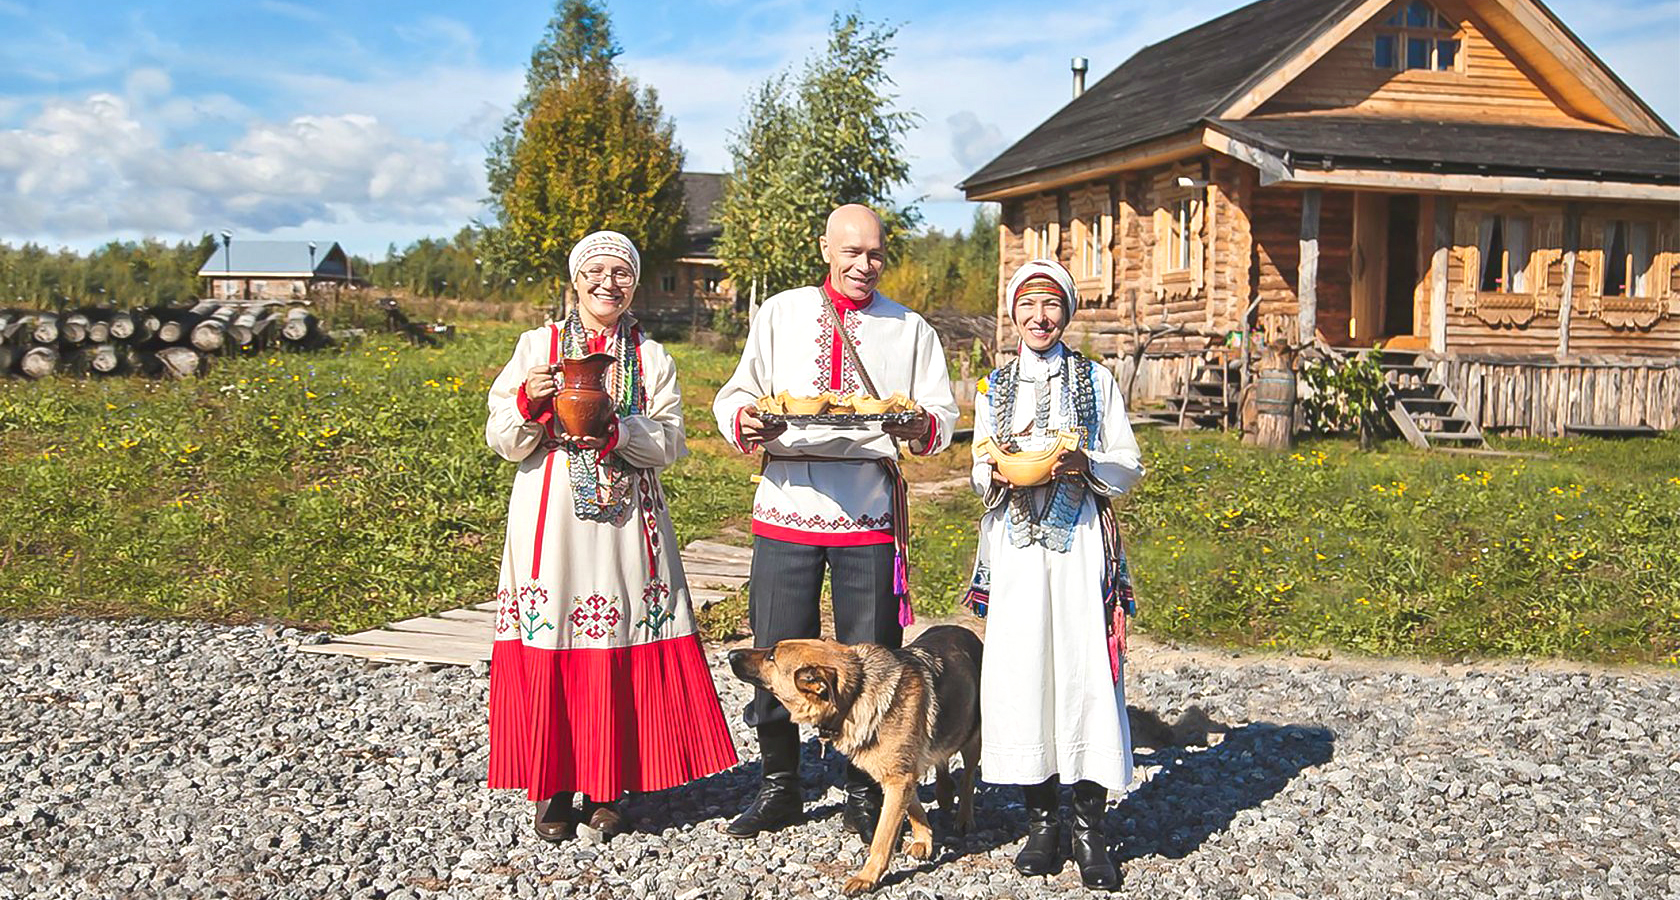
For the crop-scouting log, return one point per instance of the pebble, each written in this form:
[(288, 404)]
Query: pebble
[(172, 759)]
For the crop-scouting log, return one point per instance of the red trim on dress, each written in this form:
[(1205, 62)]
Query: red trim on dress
[(604, 721), (836, 357), (549, 445), (931, 440), (740, 440), (822, 538)]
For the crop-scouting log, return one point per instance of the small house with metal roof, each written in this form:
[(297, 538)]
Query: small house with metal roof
[(275, 270), (1463, 181)]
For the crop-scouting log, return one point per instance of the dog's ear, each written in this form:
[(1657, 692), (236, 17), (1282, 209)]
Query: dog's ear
[(817, 681)]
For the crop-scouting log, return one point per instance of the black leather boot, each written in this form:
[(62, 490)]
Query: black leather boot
[(779, 802), (863, 803), (1042, 853), (1090, 848)]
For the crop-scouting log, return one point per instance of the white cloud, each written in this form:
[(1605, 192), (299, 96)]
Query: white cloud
[(91, 169)]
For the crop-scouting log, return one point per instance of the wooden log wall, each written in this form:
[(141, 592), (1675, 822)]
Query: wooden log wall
[(1204, 303), (1487, 87), (1276, 214), (1543, 398)]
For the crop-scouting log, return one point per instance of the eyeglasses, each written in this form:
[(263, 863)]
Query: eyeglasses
[(620, 277)]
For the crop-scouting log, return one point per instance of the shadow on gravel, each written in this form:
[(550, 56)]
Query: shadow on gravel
[(1199, 792)]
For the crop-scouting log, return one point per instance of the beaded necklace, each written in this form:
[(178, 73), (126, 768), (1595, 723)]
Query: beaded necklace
[(1049, 523), (602, 489)]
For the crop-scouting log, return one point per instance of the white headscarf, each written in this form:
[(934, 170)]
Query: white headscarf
[(1044, 268), (605, 243)]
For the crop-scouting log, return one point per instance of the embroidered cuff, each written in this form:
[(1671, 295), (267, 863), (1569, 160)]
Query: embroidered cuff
[(532, 410), (741, 441), (931, 440)]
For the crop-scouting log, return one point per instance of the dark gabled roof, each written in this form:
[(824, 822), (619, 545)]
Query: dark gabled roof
[(1168, 87), (1461, 147), (702, 192)]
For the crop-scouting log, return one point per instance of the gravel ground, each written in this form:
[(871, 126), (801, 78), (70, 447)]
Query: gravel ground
[(165, 759)]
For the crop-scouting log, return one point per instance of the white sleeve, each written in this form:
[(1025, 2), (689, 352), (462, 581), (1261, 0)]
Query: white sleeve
[(506, 430), (932, 390), (750, 381), (1116, 461), (654, 439)]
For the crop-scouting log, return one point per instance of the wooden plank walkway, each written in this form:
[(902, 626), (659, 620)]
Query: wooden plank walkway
[(461, 637)]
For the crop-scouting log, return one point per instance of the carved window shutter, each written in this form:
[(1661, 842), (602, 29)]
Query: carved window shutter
[(1163, 238), (1663, 268), (1106, 240), (1548, 250), (1466, 233), (1591, 255), (1198, 243)]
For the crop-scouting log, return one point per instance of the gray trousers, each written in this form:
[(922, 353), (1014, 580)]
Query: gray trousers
[(786, 590)]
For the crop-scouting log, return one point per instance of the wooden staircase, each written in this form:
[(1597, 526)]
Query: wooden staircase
[(1210, 395), (1426, 411)]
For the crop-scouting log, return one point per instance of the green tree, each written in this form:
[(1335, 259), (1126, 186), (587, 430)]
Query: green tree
[(807, 146), (585, 149), (956, 272)]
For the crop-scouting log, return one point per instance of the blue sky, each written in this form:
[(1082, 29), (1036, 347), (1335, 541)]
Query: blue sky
[(365, 123)]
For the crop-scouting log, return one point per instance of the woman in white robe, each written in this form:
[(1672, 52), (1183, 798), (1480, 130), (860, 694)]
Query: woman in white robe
[(1050, 578), (598, 683)]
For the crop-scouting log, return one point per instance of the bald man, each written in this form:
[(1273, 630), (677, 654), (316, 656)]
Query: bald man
[(827, 496)]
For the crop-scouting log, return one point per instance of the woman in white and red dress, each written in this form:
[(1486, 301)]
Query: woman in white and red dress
[(598, 684)]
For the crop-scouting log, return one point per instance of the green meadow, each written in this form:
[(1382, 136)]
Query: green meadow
[(345, 488)]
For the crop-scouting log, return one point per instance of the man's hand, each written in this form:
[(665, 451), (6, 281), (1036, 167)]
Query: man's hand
[(753, 429), (1071, 463), (540, 383), (913, 430)]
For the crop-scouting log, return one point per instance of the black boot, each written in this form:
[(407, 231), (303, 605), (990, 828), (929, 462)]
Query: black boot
[(1042, 853), (779, 802), (1090, 848), (863, 803)]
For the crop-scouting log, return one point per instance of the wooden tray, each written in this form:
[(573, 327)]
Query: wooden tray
[(839, 420)]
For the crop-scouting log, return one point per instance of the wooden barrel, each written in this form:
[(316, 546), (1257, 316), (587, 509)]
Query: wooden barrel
[(1274, 400)]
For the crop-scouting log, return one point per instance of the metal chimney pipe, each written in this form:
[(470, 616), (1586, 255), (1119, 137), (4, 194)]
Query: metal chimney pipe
[(1080, 64)]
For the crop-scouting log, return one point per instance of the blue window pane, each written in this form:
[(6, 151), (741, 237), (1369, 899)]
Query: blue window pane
[(1417, 53), (1382, 52), (1419, 15), (1399, 18), (1446, 54)]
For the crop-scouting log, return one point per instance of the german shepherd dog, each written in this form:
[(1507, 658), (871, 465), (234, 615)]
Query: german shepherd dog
[(894, 713)]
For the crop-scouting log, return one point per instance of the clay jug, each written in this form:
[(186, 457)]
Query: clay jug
[(583, 405)]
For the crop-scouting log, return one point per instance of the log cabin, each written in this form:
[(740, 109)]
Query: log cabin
[(687, 291), (1463, 181)]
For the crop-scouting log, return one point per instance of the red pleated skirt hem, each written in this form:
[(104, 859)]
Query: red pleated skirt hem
[(603, 722)]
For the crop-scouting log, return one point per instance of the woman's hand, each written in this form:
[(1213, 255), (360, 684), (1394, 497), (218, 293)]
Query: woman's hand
[(583, 442), (1071, 463), (540, 383), (997, 477), (753, 429)]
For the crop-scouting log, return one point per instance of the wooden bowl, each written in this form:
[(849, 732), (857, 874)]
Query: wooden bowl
[(868, 405), (769, 404), (807, 406), (1028, 468)]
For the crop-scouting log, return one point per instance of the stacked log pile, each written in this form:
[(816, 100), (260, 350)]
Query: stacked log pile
[(159, 342)]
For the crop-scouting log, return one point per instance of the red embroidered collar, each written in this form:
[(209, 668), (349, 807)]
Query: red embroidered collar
[(843, 302)]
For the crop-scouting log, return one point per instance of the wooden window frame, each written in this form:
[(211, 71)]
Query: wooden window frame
[(1403, 34), (1653, 251), (1504, 217), (1183, 211)]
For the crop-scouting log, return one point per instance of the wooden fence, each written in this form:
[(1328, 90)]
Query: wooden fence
[(1547, 398)]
